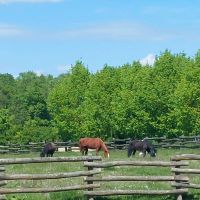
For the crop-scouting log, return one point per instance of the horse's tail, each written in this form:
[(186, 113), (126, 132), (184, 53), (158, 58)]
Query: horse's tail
[(105, 149), (130, 149), (81, 141)]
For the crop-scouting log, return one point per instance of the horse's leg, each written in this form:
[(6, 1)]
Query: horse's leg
[(97, 151), (86, 151), (133, 152), (144, 153), (82, 150)]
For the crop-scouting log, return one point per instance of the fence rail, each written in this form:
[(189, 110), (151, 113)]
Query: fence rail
[(135, 192), (134, 163)]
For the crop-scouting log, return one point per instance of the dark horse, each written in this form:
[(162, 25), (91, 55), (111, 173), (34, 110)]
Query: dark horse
[(93, 143), (143, 146), (48, 150)]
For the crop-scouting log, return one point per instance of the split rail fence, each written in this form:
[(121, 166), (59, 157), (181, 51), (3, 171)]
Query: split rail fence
[(96, 180), (190, 142), (5, 177), (178, 170), (139, 178)]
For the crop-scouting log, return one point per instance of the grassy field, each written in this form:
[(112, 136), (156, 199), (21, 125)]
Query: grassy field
[(163, 155)]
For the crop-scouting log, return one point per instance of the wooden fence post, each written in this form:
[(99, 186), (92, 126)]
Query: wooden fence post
[(2, 182), (90, 182), (179, 196)]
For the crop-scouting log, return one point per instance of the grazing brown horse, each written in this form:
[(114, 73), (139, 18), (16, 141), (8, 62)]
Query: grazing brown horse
[(93, 143)]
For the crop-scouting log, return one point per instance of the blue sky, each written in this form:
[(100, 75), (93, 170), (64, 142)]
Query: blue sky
[(48, 36)]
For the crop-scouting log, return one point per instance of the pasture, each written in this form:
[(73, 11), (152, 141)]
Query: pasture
[(163, 155)]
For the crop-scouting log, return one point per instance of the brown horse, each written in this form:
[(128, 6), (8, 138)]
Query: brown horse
[(93, 143)]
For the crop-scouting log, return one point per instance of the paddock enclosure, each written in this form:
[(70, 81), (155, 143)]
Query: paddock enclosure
[(171, 175), (182, 142)]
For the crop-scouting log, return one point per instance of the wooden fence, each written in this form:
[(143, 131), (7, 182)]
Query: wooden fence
[(158, 164), (188, 171), (177, 180), (4, 177), (190, 142), (33, 147), (119, 144)]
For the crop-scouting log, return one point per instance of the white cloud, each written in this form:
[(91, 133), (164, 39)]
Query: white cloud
[(109, 30), (63, 68), (115, 30), (156, 9), (38, 72), (9, 30), (148, 60), (126, 31), (29, 1)]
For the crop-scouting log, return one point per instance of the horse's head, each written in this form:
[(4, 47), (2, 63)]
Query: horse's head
[(153, 151), (106, 154)]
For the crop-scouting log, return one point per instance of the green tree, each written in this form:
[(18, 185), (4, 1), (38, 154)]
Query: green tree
[(30, 104), (7, 87), (65, 101)]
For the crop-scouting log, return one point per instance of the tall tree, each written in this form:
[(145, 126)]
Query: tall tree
[(7, 88), (65, 101)]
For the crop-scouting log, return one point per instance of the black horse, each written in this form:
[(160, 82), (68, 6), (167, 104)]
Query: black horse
[(48, 150), (142, 146)]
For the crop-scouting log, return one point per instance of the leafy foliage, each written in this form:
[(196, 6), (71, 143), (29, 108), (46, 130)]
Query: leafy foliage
[(127, 101)]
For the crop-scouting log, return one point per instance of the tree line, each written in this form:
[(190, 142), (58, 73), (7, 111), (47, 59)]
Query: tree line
[(131, 100)]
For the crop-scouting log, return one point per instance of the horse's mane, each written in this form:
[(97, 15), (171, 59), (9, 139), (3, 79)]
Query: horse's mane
[(103, 146)]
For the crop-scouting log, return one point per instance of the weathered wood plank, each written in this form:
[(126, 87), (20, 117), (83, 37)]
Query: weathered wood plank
[(2, 183), (134, 192), (44, 190), (49, 176), (186, 185), (2, 169), (138, 178), (36, 143), (189, 137), (134, 163), (156, 138), (8, 161), (3, 147), (185, 157), (186, 171)]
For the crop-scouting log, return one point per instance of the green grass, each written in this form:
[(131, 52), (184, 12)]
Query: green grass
[(163, 155)]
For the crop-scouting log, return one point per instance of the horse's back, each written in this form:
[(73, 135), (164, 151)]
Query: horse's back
[(49, 148), (139, 145), (143, 146), (90, 142)]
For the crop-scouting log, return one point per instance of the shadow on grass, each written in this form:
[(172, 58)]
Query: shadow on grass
[(137, 197), (192, 196)]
